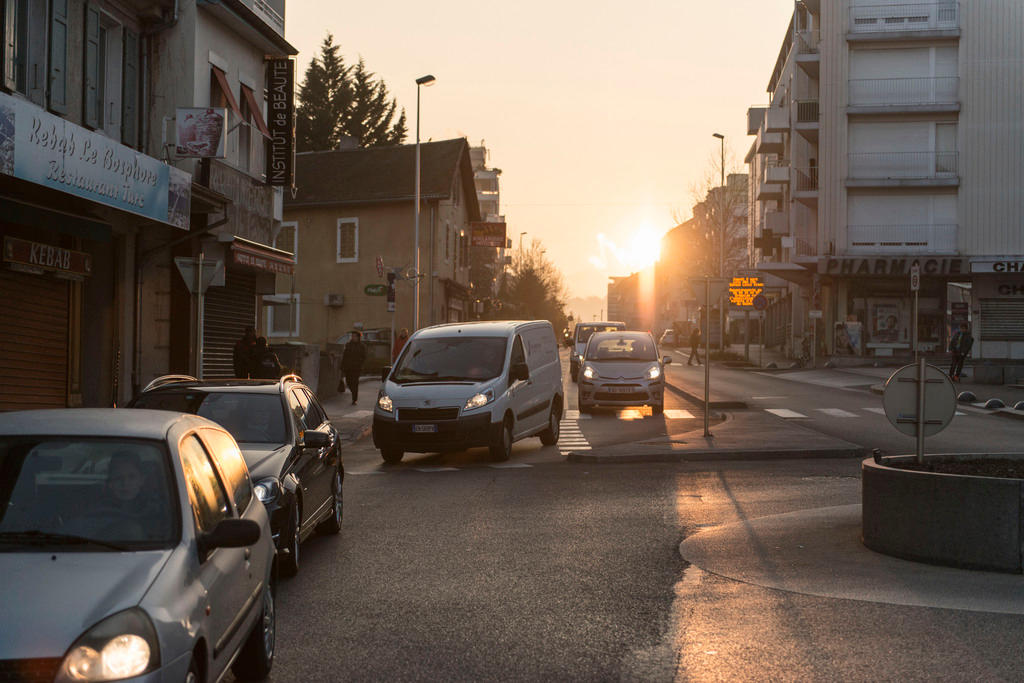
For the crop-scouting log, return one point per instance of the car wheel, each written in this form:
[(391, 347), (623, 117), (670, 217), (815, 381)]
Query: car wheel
[(392, 456), (549, 437), (257, 655), (501, 448), (332, 524), (193, 675), (585, 408), (289, 559)]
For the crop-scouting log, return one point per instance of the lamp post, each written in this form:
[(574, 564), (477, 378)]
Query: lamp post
[(422, 80), (721, 252), (521, 244)]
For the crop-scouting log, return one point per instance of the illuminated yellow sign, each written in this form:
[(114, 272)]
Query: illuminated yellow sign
[(742, 290)]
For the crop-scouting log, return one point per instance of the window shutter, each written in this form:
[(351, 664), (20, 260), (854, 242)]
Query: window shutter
[(10, 46), (91, 94), (130, 90), (35, 52), (58, 76)]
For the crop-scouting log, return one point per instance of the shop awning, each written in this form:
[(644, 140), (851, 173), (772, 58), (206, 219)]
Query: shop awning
[(261, 257), (790, 272)]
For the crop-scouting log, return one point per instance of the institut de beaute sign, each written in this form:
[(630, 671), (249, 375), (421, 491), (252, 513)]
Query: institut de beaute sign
[(41, 148)]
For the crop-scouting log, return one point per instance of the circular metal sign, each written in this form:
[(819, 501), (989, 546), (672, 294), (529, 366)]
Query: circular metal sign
[(760, 302), (900, 400)]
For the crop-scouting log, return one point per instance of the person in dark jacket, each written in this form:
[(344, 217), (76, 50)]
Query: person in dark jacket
[(265, 363), (352, 362), (960, 346), (242, 353), (694, 346)]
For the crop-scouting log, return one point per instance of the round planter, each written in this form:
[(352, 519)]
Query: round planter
[(948, 519)]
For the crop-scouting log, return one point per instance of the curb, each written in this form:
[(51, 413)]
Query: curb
[(1010, 413), (356, 435), (692, 398), (716, 455)]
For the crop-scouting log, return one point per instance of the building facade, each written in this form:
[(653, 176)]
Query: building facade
[(892, 137)]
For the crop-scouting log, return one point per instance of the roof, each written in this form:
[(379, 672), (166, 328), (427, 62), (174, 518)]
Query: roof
[(120, 422), (384, 174), (483, 328)]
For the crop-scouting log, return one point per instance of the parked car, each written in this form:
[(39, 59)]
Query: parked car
[(377, 341), (668, 338), (131, 546), (622, 369), (461, 385), (581, 335), (290, 446)]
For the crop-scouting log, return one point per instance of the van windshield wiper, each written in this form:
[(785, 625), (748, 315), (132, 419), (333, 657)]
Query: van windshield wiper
[(37, 537)]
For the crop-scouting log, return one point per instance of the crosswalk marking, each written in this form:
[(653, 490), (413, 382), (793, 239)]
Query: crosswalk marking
[(785, 413), (436, 469), (679, 414), (357, 413), (836, 412), (510, 466), (879, 411), (574, 415)]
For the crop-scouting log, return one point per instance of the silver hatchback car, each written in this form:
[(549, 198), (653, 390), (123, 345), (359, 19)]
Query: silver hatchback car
[(131, 546), (622, 369)]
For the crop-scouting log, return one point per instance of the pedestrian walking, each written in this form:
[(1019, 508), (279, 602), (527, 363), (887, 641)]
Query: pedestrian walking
[(352, 362), (265, 363), (960, 346), (403, 336), (695, 336), (242, 353)]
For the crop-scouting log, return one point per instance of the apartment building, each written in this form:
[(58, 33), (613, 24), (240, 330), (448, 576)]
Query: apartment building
[(892, 136)]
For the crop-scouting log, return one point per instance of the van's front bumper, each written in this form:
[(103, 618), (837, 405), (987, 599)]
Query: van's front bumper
[(447, 435)]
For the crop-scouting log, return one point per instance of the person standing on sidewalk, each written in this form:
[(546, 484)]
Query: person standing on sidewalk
[(242, 353), (265, 363), (960, 346), (352, 362), (694, 346)]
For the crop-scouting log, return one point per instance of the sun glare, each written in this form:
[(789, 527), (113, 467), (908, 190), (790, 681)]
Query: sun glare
[(644, 249)]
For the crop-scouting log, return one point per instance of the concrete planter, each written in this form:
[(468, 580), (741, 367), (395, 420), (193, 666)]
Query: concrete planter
[(948, 519)]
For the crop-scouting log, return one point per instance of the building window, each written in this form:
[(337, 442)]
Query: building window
[(447, 243), (348, 240), (244, 135), (15, 45), (255, 132), (282, 314), (287, 239)]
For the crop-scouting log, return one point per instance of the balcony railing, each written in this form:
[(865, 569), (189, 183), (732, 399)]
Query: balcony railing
[(806, 179), (919, 239), (877, 165), (803, 247), (807, 111), (807, 42), (921, 16), (904, 91)]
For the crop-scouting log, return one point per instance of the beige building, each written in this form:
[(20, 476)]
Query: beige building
[(355, 205)]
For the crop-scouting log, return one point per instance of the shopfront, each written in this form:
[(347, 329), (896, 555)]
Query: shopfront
[(998, 307)]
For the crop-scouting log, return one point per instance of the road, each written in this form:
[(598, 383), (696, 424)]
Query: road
[(453, 568)]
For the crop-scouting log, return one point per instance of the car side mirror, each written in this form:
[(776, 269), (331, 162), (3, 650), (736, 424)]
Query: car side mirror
[(314, 439), (384, 372), (229, 533), (520, 371), (667, 360)]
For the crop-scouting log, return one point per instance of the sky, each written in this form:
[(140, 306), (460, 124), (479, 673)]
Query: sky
[(599, 114)]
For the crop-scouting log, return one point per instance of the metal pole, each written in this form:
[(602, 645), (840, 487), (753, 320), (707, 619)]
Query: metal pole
[(707, 358), (721, 255), (199, 316), (416, 230), (746, 335), (760, 339), (915, 326), (922, 369), (814, 342)]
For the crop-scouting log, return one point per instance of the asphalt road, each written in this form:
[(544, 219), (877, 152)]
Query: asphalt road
[(453, 568)]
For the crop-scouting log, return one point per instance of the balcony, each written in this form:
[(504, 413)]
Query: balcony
[(902, 169), (805, 185), (902, 239), (776, 172), (769, 192), (777, 222), (770, 143), (940, 18), (776, 120), (882, 95), (807, 56), (755, 117)]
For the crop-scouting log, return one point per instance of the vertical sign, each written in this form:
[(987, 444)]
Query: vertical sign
[(281, 121)]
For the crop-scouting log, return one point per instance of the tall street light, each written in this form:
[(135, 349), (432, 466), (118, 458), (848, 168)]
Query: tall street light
[(422, 80), (722, 228), (521, 244)]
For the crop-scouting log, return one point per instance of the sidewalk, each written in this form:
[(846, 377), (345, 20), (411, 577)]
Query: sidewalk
[(354, 422)]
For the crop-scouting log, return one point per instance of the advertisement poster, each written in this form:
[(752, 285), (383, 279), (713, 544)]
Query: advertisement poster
[(886, 329), (848, 338), (202, 132)]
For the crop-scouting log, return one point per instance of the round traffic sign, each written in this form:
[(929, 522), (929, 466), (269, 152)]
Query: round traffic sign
[(900, 400), (760, 302)]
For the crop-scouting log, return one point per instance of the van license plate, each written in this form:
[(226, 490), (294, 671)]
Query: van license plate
[(424, 429)]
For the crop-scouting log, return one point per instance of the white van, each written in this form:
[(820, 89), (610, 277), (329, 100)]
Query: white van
[(461, 385)]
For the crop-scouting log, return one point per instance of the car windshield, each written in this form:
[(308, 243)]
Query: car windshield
[(585, 332), (249, 417), (451, 359), (88, 495), (615, 347)]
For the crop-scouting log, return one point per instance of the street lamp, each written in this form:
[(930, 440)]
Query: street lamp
[(721, 254), (422, 80), (521, 244)]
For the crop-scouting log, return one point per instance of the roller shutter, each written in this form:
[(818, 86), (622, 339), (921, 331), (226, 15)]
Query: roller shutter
[(1002, 319), (33, 341), (227, 312)]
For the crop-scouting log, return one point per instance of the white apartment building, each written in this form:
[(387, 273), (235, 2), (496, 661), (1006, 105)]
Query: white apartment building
[(893, 135)]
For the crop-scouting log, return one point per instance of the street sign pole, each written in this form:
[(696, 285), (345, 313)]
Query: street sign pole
[(199, 317), (707, 359), (922, 375), (746, 335), (760, 339)]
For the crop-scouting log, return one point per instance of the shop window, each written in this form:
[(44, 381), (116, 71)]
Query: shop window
[(348, 240), (282, 314), (104, 70), (287, 239), (255, 131)]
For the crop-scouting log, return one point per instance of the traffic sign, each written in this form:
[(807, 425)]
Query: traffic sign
[(900, 400), (375, 290), (212, 273), (760, 302), (380, 267), (915, 277)]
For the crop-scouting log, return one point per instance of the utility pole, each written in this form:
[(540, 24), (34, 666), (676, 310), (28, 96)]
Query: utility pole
[(722, 204)]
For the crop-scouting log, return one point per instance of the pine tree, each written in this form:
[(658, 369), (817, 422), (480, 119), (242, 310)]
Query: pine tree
[(371, 115)]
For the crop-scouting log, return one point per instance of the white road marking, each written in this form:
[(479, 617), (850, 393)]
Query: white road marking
[(768, 398), (357, 413), (785, 413), (679, 414), (437, 469), (836, 412), (574, 415), (511, 466), (880, 411)]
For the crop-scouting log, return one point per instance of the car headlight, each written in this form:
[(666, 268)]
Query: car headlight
[(123, 645), (479, 400), (653, 372), (385, 404), (267, 489), (589, 372)]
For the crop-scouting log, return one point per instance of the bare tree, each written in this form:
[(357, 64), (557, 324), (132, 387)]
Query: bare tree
[(533, 288)]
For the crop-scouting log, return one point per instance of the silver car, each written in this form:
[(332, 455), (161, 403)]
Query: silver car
[(131, 546), (622, 369)]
